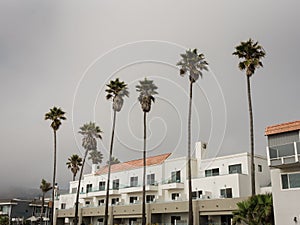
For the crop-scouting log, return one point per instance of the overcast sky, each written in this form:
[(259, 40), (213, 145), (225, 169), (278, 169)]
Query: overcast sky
[(62, 53)]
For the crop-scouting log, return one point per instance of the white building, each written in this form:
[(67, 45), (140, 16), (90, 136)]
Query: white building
[(218, 184), (283, 158)]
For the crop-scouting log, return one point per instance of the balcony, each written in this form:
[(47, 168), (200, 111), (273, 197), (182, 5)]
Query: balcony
[(284, 156), (98, 192), (138, 189), (173, 185)]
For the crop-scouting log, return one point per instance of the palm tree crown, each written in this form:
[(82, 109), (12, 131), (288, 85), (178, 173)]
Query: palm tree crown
[(117, 90), (56, 115), (90, 132), (96, 157), (74, 163), (114, 160), (193, 63), (251, 53), (147, 89), (45, 186)]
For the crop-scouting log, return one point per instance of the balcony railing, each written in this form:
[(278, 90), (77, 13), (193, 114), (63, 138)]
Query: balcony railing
[(284, 155)]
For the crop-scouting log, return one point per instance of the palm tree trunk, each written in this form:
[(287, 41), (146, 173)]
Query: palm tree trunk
[(53, 178), (191, 218), (109, 169), (74, 176), (78, 189), (144, 173), (42, 207), (251, 137)]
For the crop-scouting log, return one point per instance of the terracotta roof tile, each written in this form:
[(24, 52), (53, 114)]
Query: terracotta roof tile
[(283, 127), (133, 164)]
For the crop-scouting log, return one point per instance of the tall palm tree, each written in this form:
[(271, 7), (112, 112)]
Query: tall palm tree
[(147, 89), (74, 163), (56, 115), (114, 160), (45, 187), (116, 90), (251, 54), (90, 132), (192, 64)]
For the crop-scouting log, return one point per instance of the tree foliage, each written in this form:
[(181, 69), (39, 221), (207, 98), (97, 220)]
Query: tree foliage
[(74, 163), (258, 209)]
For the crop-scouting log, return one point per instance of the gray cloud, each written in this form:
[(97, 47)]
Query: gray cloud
[(45, 47)]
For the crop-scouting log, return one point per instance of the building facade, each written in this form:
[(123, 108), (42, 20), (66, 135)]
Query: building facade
[(283, 153), (218, 184)]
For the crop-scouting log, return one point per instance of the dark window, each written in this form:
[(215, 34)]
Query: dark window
[(133, 181), (114, 201), (259, 168), (150, 198), (196, 194), (237, 168), (101, 202), (175, 176), (133, 199), (175, 196), (226, 193), (151, 179), (291, 180), (116, 184), (89, 188), (212, 172), (101, 185), (63, 205)]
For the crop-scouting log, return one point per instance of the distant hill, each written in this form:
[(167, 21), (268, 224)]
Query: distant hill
[(23, 193)]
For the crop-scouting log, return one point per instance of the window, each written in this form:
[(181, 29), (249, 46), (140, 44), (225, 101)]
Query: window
[(114, 201), (226, 193), (174, 196), (74, 190), (133, 199), (87, 203), (89, 188), (291, 180), (63, 205), (151, 179), (259, 168), (150, 198), (175, 177), (237, 168), (212, 172), (101, 202), (101, 185), (133, 181), (196, 194), (116, 184)]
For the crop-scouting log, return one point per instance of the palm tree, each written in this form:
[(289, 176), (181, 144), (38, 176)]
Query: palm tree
[(74, 163), (114, 160), (90, 134), (56, 115), (147, 89), (95, 156), (116, 90), (258, 209), (192, 64), (250, 53), (45, 187)]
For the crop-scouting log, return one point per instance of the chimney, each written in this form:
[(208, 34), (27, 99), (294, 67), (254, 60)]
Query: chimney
[(200, 150), (95, 168)]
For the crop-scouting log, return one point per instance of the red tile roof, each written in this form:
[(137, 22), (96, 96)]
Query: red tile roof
[(283, 127), (150, 161)]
